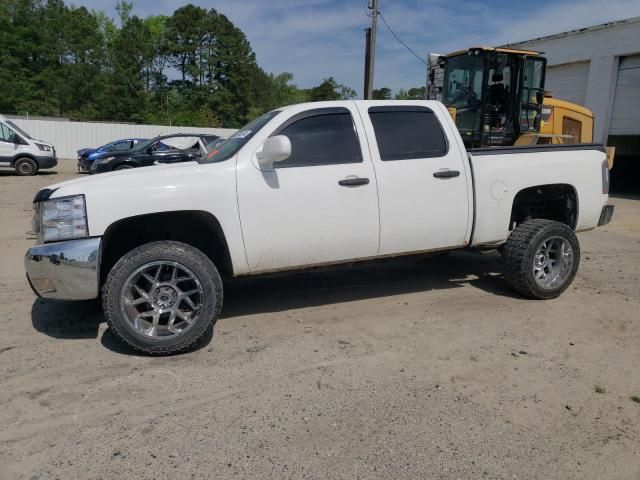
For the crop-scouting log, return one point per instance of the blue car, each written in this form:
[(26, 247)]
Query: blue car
[(86, 156)]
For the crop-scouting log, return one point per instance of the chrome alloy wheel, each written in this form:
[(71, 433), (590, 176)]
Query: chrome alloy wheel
[(553, 262), (161, 299)]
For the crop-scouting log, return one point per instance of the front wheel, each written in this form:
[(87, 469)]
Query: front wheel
[(541, 258), (161, 297), (26, 167)]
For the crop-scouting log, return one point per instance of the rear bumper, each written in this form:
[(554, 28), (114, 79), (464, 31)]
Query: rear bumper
[(64, 270), (605, 215)]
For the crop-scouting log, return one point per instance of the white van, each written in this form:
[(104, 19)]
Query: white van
[(20, 151)]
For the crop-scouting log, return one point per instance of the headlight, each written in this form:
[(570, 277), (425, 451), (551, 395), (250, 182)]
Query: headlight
[(44, 148), (97, 161), (61, 218)]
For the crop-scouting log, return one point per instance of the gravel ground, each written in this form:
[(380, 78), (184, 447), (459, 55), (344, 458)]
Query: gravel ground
[(409, 368)]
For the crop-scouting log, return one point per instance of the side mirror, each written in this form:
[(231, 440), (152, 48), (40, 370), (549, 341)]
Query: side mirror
[(275, 149)]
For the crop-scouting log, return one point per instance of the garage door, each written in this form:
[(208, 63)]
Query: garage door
[(568, 82), (625, 118)]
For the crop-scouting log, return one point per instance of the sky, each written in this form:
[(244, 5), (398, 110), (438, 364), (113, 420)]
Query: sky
[(315, 39)]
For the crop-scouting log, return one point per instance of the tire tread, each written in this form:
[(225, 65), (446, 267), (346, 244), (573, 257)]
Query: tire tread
[(111, 286), (517, 270)]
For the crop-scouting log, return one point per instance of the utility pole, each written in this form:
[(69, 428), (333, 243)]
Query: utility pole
[(370, 51)]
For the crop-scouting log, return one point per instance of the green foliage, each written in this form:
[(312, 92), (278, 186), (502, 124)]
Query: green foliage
[(193, 68), (383, 93), (412, 94), (329, 89)]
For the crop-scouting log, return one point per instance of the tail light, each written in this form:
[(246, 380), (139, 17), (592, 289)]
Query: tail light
[(605, 177)]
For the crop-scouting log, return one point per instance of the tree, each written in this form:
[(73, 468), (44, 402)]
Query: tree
[(123, 96), (329, 89), (62, 60), (157, 51), (383, 93), (185, 34), (418, 93)]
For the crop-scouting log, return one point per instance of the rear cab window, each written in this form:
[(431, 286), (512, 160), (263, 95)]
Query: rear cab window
[(407, 132)]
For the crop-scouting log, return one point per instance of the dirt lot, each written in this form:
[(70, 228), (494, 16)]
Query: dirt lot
[(405, 369)]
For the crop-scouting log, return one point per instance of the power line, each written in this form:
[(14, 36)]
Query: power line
[(398, 39)]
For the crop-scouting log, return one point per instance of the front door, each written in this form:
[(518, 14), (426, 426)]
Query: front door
[(8, 146), (320, 205)]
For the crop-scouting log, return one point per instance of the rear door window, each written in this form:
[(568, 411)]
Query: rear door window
[(321, 138), (405, 133)]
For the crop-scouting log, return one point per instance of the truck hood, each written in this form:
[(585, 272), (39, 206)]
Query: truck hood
[(119, 181), (111, 197)]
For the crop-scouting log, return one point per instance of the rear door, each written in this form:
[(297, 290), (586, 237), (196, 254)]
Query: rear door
[(422, 177), (318, 206)]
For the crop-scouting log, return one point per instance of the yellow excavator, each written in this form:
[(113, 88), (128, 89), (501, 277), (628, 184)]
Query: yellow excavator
[(497, 98)]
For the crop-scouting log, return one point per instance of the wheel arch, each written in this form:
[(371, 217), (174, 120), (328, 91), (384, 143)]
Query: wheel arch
[(24, 155), (197, 228), (126, 161), (555, 201)]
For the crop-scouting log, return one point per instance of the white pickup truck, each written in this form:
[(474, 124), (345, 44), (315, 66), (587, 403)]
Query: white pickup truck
[(307, 185)]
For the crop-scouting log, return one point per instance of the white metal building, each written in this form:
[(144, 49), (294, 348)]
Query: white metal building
[(68, 137), (599, 67)]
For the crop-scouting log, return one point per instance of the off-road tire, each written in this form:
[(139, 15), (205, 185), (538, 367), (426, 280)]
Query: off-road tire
[(170, 251), (25, 167), (519, 252)]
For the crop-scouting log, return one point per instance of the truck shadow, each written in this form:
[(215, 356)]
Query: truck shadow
[(67, 320), (276, 293), (12, 173)]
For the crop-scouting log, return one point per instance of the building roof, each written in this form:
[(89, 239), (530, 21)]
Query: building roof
[(493, 49), (577, 31)]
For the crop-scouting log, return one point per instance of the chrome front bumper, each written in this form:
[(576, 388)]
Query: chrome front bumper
[(64, 270)]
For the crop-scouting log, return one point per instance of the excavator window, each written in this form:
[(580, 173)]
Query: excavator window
[(462, 89), (498, 118), (532, 94), (571, 130)]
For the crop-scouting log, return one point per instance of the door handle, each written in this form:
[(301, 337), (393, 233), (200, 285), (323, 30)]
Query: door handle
[(353, 181), (446, 174)]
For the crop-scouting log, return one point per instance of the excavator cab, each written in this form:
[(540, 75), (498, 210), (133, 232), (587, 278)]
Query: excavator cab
[(494, 94)]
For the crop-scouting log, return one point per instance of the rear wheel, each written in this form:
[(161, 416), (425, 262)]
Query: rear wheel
[(161, 297), (541, 258), (26, 167)]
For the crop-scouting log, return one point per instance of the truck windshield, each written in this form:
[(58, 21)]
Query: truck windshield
[(18, 129), (235, 142)]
